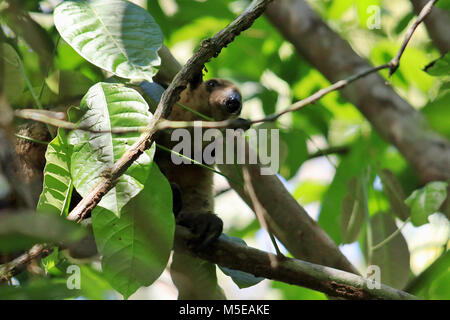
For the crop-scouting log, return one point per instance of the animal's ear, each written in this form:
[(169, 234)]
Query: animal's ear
[(196, 80)]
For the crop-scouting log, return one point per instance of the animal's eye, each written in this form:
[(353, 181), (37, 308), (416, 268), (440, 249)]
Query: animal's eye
[(211, 83)]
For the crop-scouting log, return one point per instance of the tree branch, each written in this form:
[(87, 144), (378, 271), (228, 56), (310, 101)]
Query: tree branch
[(330, 281), (14, 267), (236, 256)]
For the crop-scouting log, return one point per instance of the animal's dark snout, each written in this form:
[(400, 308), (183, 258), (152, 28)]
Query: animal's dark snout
[(233, 102)]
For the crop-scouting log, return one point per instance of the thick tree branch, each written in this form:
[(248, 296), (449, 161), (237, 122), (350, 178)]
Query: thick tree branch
[(330, 281), (391, 116), (438, 24), (236, 256), (208, 49)]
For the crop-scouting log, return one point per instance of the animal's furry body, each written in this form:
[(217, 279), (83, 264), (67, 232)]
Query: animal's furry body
[(218, 99)]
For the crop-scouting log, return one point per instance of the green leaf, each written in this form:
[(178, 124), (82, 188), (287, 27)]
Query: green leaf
[(115, 35), (136, 246), (13, 80), (443, 4), (20, 231), (105, 106), (242, 279), (426, 201), (297, 151), (351, 165), (440, 287), (309, 191), (437, 113), (394, 191), (440, 67), (57, 190), (68, 84), (93, 284), (404, 21), (393, 256), (51, 262), (353, 210)]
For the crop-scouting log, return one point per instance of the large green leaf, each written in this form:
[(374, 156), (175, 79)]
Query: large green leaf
[(426, 201), (57, 190), (353, 210), (394, 191), (13, 80), (115, 35), (19, 231), (136, 246), (393, 257), (105, 106)]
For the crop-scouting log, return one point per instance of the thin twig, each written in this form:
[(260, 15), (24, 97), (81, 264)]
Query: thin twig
[(259, 212), (395, 62)]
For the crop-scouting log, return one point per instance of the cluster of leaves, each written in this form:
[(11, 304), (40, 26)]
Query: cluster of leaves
[(133, 224)]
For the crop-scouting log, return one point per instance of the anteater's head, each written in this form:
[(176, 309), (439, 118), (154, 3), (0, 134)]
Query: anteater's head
[(216, 98)]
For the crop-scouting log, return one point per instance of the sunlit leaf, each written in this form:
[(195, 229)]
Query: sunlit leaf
[(106, 106), (115, 35), (57, 189), (426, 201), (309, 191)]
